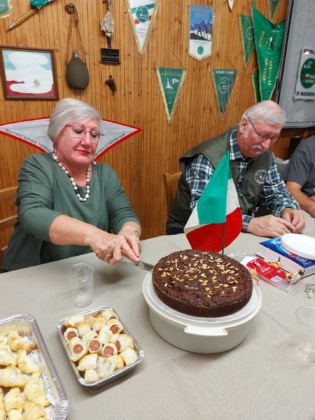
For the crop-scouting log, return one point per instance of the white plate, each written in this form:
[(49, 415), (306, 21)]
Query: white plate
[(301, 245), (237, 317)]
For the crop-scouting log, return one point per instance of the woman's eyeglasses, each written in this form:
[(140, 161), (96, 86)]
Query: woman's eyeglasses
[(262, 136), (79, 132)]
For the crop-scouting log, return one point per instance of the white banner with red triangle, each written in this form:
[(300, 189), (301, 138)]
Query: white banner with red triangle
[(34, 132)]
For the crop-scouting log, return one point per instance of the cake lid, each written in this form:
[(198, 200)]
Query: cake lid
[(248, 311)]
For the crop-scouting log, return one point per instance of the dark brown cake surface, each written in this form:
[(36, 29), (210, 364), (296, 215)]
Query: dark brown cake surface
[(202, 283)]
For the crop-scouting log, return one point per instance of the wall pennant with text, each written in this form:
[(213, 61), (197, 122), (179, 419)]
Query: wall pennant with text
[(268, 41), (200, 32), (305, 84), (34, 132), (247, 34), (171, 82), (142, 14), (224, 81)]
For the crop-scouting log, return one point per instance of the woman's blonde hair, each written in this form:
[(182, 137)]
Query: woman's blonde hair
[(67, 112)]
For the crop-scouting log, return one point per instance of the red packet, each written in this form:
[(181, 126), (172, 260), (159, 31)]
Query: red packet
[(267, 271)]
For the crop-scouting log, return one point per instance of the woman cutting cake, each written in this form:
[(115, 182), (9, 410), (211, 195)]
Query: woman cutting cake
[(68, 205)]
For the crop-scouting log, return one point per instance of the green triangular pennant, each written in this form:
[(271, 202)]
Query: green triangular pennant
[(268, 40), (255, 80), (247, 33), (170, 81), (272, 6), (223, 81)]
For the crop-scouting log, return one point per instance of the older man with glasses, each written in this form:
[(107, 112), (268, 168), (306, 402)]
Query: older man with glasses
[(267, 207)]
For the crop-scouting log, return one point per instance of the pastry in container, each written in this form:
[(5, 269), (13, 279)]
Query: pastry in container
[(94, 356), (36, 383)]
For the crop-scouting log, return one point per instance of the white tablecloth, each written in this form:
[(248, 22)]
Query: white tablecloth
[(262, 378)]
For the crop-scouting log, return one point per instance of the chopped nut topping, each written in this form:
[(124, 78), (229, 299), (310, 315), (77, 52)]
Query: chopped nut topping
[(201, 277)]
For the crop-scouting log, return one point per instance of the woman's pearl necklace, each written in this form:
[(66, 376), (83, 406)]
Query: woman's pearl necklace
[(73, 183)]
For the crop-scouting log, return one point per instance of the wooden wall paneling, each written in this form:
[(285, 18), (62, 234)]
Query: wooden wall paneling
[(141, 160)]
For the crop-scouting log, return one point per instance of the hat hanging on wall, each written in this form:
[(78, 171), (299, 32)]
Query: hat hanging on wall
[(77, 74)]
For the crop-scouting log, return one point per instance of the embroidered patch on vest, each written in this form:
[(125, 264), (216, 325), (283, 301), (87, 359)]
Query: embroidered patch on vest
[(260, 176)]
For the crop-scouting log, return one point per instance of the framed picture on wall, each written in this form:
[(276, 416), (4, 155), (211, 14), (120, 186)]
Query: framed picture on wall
[(28, 73)]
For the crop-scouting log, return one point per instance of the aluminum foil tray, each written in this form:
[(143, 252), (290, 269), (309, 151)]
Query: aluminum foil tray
[(117, 374), (26, 326)]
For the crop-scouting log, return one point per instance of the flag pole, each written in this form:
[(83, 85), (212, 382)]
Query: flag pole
[(223, 237)]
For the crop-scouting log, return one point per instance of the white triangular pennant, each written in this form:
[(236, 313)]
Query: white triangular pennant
[(34, 132), (142, 14)]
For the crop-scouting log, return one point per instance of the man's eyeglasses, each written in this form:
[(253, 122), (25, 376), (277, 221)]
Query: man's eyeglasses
[(79, 132), (262, 136)]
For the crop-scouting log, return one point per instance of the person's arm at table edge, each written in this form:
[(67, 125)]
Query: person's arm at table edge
[(306, 203), (66, 230)]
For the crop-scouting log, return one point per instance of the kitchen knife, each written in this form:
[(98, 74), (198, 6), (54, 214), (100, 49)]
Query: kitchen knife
[(140, 264)]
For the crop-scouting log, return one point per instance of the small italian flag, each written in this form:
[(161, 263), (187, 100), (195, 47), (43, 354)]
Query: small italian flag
[(216, 220)]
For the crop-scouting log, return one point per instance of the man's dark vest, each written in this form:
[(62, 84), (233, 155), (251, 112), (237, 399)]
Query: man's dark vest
[(213, 149)]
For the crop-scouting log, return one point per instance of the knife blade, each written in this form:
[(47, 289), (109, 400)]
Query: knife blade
[(144, 266), (140, 264)]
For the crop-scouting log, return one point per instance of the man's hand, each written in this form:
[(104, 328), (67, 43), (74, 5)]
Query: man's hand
[(272, 226), (296, 218)]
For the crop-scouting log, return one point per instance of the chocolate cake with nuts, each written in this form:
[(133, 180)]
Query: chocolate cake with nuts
[(202, 283)]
